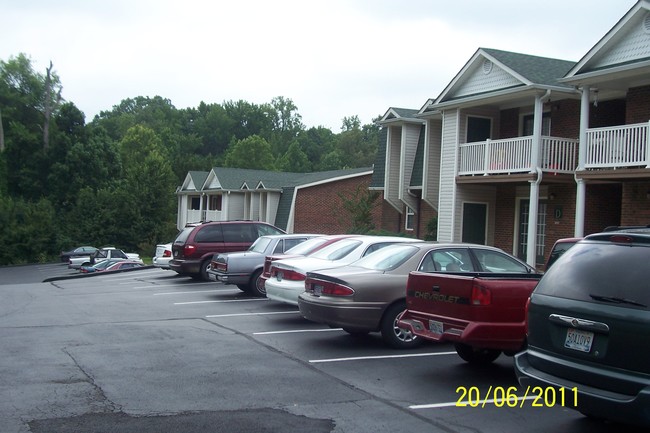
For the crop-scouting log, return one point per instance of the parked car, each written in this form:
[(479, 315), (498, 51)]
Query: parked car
[(560, 247), (303, 249), (99, 266), (367, 295), (195, 245), (244, 268), (163, 256), (589, 327), (287, 279), (99, 255), (473, 296), (77, 252), (125, 264)]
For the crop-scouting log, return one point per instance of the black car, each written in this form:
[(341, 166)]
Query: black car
[(77, 252), (589, 328)]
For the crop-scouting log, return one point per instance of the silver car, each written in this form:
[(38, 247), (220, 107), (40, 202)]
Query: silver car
[(244, 268)]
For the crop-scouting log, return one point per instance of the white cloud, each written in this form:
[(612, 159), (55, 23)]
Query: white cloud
[(332, 58)]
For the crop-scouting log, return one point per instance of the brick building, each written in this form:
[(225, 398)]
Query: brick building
[(520, 147)]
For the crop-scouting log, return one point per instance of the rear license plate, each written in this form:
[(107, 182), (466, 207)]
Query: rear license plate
[(578, 340), (318, 289), (279, 276), (435, 327)]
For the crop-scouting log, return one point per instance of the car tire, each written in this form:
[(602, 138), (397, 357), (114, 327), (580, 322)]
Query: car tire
[(243, 287), (394, 336), (204, 270), (475, 355), (256, 285)]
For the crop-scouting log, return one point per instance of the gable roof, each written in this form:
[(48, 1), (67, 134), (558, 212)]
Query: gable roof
[(490, 72), (626, 46)]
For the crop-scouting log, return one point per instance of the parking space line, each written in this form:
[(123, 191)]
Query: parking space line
[(219, 302), (363, 358), (254, 314), (197, 291), (171, 285), (297, 331), (480, 403)]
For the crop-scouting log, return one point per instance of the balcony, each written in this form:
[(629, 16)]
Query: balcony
[(195, 215), (513, 155), (617, 147)]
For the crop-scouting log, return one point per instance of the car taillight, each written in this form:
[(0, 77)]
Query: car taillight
[(188, 250), (286, 274), (321, 287), (167, 253), (220, 266), (480, 295)]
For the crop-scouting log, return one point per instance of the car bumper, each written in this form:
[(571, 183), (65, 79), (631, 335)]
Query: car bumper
[(161, 262), (188, 267), (506, 336), (354, 315), (228, 278), (286, 291), (584, 398)]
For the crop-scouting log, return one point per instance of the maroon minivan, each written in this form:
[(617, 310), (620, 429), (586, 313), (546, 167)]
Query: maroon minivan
[(195, 245)]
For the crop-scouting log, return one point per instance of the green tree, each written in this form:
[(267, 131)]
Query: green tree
[(359, 207), (294, 160), (252, 152)]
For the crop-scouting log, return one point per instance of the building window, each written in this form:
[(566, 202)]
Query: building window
[(410, 219), (216, 202), (195, 204)]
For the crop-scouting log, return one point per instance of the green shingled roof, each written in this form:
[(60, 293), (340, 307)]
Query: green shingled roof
[(538, 70)]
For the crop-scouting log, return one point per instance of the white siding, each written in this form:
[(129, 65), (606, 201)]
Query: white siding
[(234, 206), (480, 82), (431, 171), (446, 207), (634, 45), (409, 144), (392, 182)]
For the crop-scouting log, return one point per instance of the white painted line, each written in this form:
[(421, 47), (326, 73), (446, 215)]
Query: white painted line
[(219, 302), (198, 291), (480, 403), (362, 358), (253, 314), (155, 286), (297, 331)]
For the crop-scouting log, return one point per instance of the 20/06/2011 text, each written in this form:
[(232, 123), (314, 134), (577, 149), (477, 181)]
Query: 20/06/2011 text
[(510, 397)]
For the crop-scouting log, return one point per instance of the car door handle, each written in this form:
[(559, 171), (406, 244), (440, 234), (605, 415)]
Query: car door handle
[(575, 322)]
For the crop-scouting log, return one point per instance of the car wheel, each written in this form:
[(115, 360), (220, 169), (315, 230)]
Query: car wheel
[(392, 334), (256, 285), (204, 270), (475, 355), (243, 287)]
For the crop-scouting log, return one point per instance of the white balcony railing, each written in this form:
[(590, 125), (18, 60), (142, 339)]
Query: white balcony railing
[(513, 155), (195, 215), (618, 146)]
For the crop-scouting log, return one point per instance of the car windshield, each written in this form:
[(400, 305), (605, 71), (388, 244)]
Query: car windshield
[(337, 250), (600, 272), (260, 245), (387, 258), (183, 235)]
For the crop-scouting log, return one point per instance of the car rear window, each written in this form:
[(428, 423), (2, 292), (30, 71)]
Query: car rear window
[(260, 245), (337, 250), (601, 272), (183, 235)]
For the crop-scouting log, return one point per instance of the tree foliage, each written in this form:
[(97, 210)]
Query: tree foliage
[(111, 180)]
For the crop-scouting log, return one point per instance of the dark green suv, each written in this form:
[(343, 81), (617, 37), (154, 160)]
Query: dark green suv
[(589, 328)]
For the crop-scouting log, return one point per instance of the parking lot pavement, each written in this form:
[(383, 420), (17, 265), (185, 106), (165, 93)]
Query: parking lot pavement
[(148, 351)]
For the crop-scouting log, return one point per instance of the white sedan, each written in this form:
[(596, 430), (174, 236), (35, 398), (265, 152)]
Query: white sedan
[(287, 279)]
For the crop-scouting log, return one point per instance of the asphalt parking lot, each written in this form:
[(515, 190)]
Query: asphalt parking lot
[(147, 351)]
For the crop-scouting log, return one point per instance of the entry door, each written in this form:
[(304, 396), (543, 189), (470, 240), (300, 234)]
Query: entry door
[(523, 230), (474, 222)]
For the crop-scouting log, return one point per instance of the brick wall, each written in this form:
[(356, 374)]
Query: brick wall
[(319, 209), (635, 204), (607, 113), (565, 118), (638, 107)]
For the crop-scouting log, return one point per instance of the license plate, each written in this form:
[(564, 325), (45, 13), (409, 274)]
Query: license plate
[(578, 340), (318, 289), (279, 276), (435, 327)]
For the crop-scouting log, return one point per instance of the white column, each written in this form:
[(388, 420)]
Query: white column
[(533, 208), (579, 230)]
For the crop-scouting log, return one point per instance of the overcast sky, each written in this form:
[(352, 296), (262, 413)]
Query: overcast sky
[(332, 58)]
